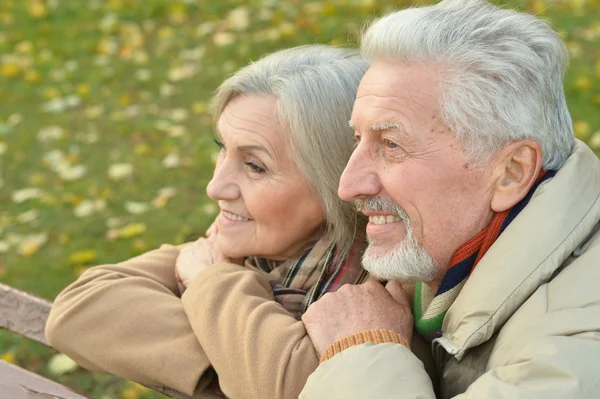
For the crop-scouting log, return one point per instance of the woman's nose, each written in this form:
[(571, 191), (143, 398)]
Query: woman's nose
[(359, 179), (223, 185)]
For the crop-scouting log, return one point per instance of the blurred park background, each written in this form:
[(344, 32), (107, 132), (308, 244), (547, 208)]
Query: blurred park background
[(106, 135)]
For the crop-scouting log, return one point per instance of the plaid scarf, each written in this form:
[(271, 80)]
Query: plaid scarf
[(299, 282), (429, 307)]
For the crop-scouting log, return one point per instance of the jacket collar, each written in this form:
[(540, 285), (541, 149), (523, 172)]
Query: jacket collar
[(561, 214)]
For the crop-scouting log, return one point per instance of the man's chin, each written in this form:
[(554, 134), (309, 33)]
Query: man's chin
[(399, 264)]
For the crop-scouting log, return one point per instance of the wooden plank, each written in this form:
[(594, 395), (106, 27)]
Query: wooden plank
[(26, 315), (23, 313), (16, 383)]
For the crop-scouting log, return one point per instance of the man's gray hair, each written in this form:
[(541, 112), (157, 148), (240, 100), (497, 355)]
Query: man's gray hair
[(503, 73), (315, 87)]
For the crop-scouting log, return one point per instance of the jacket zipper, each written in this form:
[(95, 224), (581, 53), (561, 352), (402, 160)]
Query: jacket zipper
[(439, 347)]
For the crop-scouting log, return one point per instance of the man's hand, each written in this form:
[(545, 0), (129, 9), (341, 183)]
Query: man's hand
[(356, 308)]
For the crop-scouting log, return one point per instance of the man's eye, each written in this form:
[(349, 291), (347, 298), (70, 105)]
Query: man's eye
[(356, 141), (390, 144)]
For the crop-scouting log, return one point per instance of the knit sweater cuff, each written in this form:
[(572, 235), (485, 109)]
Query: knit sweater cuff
[(375, 336)]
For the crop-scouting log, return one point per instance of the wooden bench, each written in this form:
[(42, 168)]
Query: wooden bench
[(26, 315)]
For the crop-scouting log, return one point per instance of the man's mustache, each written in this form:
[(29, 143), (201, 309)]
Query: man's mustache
[(382, 204)]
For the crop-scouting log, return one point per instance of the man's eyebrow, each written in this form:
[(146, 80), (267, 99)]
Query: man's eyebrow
[(245, 148), (378, 127)]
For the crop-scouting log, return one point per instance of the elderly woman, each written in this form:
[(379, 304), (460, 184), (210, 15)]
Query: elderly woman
[(283, 133)]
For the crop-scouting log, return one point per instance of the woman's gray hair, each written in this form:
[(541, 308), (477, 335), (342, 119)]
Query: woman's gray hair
[(503, 73), (315, 87)]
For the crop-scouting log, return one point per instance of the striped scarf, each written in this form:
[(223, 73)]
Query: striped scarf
[(299, 282), (429, 307)]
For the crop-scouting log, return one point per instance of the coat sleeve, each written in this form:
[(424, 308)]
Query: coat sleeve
[(558, 367), (126, 319), (256, 347)]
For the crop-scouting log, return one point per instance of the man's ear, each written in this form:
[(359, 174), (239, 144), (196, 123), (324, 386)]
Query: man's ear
[(518, 166)]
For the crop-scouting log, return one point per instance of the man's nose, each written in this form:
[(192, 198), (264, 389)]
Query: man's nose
[(359, 179), (223, 185)]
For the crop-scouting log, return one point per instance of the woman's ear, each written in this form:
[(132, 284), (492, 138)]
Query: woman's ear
[(518, 167)]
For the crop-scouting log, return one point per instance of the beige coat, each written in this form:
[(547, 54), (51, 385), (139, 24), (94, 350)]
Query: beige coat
[(127, 319), (526, 324)]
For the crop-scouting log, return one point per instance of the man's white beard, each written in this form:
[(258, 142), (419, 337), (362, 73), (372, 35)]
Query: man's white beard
[(407, 260)]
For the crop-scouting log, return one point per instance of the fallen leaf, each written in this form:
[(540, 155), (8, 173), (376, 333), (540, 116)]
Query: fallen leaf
[(83, 257), (31, 244), (60, 364), (136, 208), (120, 171), (171, 161), (26, 194), (88, 207), (9, 357)]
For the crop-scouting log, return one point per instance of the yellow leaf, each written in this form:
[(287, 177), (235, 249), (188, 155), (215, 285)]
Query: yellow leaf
[(24, 47), (10, 70), (130, 393), (166, 32), (539, 7), (115, 5), (141, 149), (9, 357), (329, 10), (83, 89), (51, 92), (32, 76), (582, 130), (37, 9), (140, 245), (82, 257), (140, 388), (124, 100), (583, 83), (199, 108), (37, 179), (160, 202), (132, 230), (32, 244)]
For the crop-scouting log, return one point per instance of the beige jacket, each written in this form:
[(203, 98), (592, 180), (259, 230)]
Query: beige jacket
[(126, 319), (525, 325)]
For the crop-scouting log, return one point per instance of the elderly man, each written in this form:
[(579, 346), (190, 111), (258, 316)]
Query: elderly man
[(476, 191)]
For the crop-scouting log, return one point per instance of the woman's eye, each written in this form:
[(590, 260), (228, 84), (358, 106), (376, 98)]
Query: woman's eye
[(219, 144), (390, 144), (255, 168)]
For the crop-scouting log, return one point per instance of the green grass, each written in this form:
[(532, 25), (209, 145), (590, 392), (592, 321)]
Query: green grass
[(128, 81)]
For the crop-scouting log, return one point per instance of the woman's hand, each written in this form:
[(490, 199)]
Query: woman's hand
[(192, 260), (196, 257)]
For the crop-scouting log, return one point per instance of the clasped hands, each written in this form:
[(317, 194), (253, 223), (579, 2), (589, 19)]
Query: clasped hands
[(349, 310), (196, 257)]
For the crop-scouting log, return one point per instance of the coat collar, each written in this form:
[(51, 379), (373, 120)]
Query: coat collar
[(561, 214)]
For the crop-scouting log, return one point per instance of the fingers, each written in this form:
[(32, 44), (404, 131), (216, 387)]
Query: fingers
[(396, 291)]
